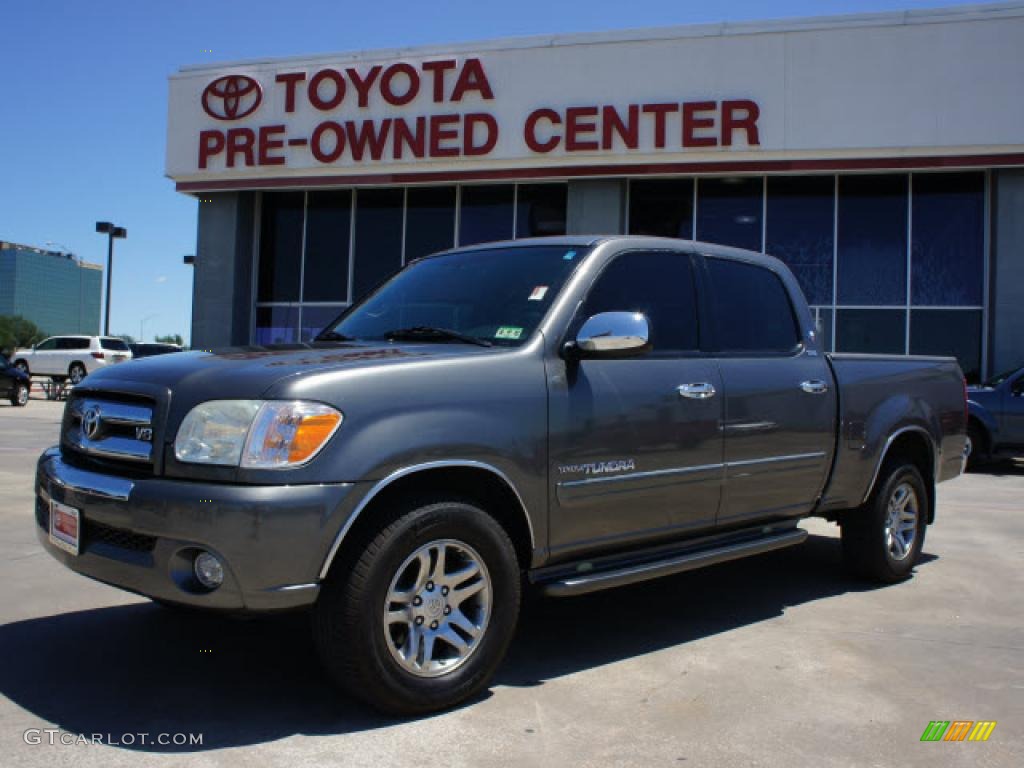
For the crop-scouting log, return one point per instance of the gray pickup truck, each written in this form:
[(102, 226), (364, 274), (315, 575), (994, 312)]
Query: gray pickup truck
[(567, 414)]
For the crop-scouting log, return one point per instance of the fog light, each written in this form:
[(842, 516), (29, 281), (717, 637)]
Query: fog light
[(208, 570)]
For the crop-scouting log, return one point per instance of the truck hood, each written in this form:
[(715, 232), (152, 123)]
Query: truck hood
[(248, 372)]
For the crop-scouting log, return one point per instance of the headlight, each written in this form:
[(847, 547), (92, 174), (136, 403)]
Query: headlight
[(255, 434)]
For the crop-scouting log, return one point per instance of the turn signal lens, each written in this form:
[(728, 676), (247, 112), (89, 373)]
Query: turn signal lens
[(288, 434)]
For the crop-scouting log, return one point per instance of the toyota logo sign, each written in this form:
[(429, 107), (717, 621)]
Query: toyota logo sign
[(91, 422), (232, 97)]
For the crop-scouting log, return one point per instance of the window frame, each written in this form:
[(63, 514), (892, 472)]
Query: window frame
[(703, 350), (801, 344)]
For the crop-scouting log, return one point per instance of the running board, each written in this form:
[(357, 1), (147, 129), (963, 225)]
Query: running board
[(581, 584)]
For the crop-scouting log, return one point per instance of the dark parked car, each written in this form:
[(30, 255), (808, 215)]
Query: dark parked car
[(149, 349), (14, 382), (996, 426), (573, 413)]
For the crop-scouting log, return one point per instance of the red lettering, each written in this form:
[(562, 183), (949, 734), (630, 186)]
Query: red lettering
[(437, 70), (358, 141), (291, 80), (472, 78), (748, 123), (316, 142), (629, 131), (693, 123), (439, 133), (363, 84), (402, 135), (575, 126), (268, 143), (210, 143), (490, 125), (530, 130), (660, 111), (335, 99), (240, 142), (387, 91)]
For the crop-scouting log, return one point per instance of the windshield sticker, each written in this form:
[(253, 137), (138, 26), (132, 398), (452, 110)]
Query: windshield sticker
[(539, 293), (508, 332), (569, 256)]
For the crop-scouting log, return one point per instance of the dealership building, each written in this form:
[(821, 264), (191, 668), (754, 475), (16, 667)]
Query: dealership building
[(880, 156)]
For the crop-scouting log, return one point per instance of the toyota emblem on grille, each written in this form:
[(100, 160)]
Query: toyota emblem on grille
[(91, 422)]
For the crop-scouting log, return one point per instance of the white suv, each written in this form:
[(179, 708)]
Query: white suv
[(71, 357)]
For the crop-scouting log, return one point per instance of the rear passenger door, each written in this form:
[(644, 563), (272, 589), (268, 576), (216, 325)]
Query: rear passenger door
[(780, 403)]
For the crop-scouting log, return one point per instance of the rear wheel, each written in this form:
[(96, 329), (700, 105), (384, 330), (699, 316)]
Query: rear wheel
[(76, 372), (883, 539), (421, 617), (19, 395)]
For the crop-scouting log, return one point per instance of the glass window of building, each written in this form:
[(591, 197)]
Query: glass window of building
[(328, 225), (954, 332), (799, 230), (541, 209), (761, 295), (729, 211), (876, 331), (280, 246), (661, 285), (378, 251), (661, 208), (872, 248), (277, 325), (486, 213), (948, 251), (317, 317), (429, 221)]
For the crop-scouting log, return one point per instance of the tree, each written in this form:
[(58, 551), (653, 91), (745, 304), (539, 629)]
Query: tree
[(17, 332), (170, 339)]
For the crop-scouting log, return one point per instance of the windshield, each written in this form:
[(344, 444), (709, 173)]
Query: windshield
[(498, 296), (995, 381)]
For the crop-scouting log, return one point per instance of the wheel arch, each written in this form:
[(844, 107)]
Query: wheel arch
[(915, 444), (471, 480)]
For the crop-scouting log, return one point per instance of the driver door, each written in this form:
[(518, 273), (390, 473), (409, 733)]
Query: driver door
[(633, 459)]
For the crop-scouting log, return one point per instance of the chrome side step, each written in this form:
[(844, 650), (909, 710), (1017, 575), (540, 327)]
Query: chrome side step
[(581, 584)]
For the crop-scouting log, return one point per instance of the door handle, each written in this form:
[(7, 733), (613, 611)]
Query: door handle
[(814, 387), (700, 391)]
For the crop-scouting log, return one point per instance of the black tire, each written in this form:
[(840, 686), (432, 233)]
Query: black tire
[(866, 543), (19, 395), (22, 366), (979, 445), (76, 372), (348, 618)]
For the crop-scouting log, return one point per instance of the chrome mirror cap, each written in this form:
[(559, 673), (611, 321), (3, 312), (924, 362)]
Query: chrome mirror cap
[(614, 333)]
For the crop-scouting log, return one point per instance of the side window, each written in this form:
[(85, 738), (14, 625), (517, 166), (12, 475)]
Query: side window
[(75, 344), (658, 283), (47, 346), (751, 308)]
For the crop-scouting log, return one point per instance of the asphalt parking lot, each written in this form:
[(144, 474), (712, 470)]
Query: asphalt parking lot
[(777, 660)]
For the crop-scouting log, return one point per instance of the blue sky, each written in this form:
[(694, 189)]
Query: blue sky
[(83, 104)]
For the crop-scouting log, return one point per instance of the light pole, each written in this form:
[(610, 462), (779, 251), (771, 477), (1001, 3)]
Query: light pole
[(142, 325), (111, 231)]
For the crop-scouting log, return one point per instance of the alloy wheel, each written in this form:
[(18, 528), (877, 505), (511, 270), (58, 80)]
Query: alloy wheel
[(901, 521)]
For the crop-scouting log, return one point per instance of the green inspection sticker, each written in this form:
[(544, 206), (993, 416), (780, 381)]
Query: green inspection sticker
[(508, 332)]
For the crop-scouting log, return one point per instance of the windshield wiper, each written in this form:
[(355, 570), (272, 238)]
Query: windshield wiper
[(426, 332), (332, 336)]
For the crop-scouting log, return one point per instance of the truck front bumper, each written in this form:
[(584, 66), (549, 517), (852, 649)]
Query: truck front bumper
[(143, 535)]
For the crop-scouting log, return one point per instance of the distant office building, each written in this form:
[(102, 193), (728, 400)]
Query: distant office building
[(54, 290)]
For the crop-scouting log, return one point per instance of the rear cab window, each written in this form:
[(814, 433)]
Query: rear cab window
[(751, 310)]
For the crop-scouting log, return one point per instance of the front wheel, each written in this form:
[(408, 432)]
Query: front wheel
[(19, 395), (883, 539), (421, 618)]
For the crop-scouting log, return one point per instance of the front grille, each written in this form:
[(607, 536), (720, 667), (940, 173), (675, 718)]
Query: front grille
[(93, 532), (110, 431)]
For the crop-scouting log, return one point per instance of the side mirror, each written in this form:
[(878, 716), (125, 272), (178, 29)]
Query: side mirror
[(614, 334)]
